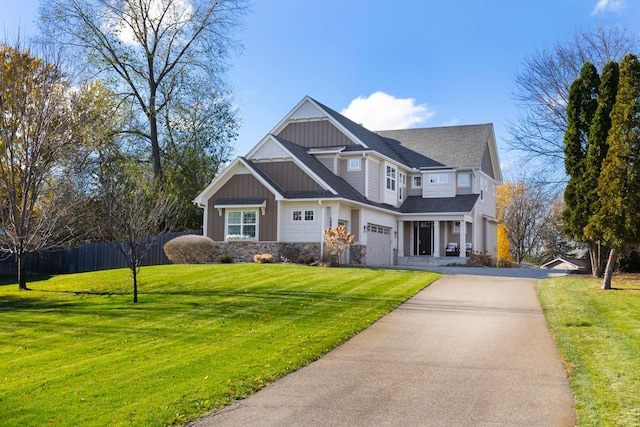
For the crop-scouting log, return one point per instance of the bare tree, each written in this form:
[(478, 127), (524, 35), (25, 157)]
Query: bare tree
[(148, 49), (542, 90), (36, 135), (132, 211)]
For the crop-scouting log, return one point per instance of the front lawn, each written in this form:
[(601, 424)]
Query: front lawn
[(598, 333), (76, 351)]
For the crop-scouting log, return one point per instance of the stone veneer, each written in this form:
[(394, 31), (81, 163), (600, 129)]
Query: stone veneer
[(243, 251)]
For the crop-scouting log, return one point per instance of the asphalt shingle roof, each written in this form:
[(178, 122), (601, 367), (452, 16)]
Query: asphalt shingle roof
[(459, 204), (454, 146)]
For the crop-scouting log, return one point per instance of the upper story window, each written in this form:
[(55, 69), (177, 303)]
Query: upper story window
[(438, 178), (391, 178), (463, 180), (402, 180), (417, 182), (354, 165), (241, 224)]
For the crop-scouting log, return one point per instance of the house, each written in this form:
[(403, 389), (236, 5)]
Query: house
[(404, 194), (570, 264)]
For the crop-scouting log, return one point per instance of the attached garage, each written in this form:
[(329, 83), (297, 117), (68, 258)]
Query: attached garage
[(378, 245)]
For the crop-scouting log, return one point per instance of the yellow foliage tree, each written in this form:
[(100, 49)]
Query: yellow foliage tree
[(502, 201)]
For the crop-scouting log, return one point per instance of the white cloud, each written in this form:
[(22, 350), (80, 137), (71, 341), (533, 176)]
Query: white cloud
[(381, 111), (607, 6), (157, 13)]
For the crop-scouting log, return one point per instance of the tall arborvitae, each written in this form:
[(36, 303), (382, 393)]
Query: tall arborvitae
[(617, 223), (596, 152), (581, 108)]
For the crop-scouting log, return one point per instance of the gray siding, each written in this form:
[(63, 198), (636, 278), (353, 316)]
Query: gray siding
[(374, 180), (355, 178), (244, 186), (486, 163), (328, 162), (315, 134), (355, 223), (289, 176)]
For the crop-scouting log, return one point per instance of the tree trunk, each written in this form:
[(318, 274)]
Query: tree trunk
[(134, 273), (606, 283), (595, 254), (21, 259)]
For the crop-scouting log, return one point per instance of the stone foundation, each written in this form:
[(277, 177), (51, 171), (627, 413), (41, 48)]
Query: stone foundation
[(244, 251), (358, 254)]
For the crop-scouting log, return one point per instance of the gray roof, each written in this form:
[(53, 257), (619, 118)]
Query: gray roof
[(462, 203), (240, 201), (455, 146)]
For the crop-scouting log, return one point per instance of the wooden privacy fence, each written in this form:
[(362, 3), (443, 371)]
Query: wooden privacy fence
[(89, 257)]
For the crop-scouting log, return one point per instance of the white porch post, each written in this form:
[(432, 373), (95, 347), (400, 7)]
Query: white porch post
[(463, 238), (400, 239), (436, 239)]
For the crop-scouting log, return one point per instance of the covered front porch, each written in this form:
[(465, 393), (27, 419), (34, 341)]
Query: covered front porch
[(437, 241)]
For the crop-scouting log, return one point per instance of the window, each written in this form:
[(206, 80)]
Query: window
[(391, 178), (463, 180), (438, 178), (298, 216), (417, 182), (456, 227), (354, 165), (241, 224), (403, 179)]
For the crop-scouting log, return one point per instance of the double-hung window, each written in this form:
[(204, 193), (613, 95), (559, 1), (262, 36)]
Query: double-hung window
[(391, 178), (241, 224)]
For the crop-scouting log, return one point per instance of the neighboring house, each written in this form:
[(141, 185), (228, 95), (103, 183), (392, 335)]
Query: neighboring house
[(572, 264), (402, 193)]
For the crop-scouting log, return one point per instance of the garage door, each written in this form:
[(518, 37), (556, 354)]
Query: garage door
[(378, 245)]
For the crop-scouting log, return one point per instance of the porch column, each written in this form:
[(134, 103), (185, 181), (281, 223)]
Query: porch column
[(400, 238), (334, 215), (436, 239), (463, 238)]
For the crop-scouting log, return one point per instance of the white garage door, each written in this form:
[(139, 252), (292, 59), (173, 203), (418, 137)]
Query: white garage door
[(378, 245)]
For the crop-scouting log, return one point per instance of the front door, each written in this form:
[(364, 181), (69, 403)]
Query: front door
[(423, 238)]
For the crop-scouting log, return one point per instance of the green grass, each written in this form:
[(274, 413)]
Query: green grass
[(598, 333), (76, 351)]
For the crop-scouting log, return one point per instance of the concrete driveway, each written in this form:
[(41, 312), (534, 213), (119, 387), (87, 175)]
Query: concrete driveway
[(466, 351)]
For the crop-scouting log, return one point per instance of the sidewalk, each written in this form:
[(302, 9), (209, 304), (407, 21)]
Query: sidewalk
[(466, 351)]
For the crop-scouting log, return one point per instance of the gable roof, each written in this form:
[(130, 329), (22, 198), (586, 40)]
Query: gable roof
[(455, 146)]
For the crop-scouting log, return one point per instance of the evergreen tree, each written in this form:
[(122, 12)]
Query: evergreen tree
[(581, 108), (596, 152), (617, 222)]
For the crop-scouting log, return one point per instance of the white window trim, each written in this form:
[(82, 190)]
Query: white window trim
[(464, 175), (350, 167), (438, 178), (226, 224), (303, 215), (390, 179), (413, 182)]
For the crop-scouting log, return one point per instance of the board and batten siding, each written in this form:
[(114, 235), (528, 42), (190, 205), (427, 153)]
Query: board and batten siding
[(487, 165), (243, 186), (289, 176), (315, 134)]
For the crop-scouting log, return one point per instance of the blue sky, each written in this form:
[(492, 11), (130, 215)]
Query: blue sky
[(417, 63)]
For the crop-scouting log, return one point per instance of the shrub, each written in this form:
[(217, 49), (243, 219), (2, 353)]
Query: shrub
[(506, 263), (225, 259), (306, 259), (263, 258), (480, 260), (190, 249)]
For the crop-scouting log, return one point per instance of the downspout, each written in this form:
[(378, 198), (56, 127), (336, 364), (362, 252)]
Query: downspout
[(321, 230)]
